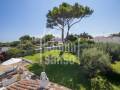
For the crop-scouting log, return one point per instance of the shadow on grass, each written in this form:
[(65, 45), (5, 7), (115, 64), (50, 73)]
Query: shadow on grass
[(69, 75), (113, 77)]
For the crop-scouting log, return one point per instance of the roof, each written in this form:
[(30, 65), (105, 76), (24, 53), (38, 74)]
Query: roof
[(12, 61), (57, 40), (112, 39), (34, 85)]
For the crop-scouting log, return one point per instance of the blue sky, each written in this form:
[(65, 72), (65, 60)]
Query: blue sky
[(20, 17)]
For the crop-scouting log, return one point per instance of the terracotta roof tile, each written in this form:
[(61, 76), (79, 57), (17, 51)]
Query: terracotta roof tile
[(34, 85)]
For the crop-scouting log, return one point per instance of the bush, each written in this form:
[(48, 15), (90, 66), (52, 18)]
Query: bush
[(14, 52), (29, 52), (98, 83), (83, 44), (83, 41), (71, 38), (114, 51), (94, 60), (111, 48)]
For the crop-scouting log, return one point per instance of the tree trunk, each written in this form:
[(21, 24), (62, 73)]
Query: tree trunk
[(68, 32), (62, 35)]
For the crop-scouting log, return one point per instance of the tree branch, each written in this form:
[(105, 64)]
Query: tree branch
[(56, 28), (76, 22), (59, 26)]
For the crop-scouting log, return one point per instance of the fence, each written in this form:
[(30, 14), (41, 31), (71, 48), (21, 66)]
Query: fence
[(69, 47), (7, 82)]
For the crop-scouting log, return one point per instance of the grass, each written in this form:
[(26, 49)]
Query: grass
[(55, 54), (66, 75), (34, 58), (71, 75), (116, 67)]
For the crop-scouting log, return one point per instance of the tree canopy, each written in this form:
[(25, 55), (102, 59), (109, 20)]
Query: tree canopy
[(85, 35), (14, 43), (47, 37), (71, 38), (66, 15), (25, 38)]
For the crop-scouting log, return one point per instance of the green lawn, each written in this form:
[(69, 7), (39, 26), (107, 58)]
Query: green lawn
[(34, 57), (66, 75), (116, 67), (55, 54)]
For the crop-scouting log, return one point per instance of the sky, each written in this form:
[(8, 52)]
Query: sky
[(28, 17)]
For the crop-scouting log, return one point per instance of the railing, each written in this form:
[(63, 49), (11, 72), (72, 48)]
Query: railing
[(7, 82)]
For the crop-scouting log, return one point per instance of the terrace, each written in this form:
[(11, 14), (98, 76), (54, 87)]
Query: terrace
[(11, 71), (15, 76)]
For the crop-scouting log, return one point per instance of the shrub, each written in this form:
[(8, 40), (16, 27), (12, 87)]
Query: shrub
[(71, 38), (94, 60), (83, 41), (14, 52), (98, 83), (112, 49)]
